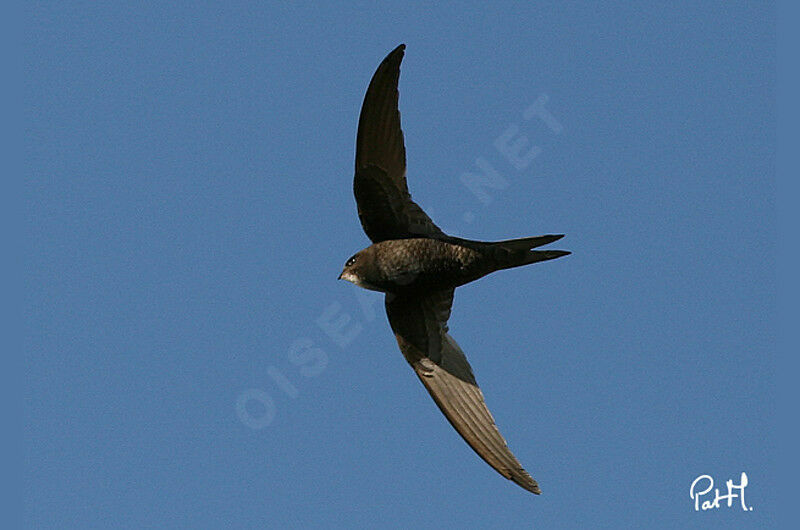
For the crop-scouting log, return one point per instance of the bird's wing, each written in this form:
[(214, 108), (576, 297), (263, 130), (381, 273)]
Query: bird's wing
[(420, 326), (384, 203)]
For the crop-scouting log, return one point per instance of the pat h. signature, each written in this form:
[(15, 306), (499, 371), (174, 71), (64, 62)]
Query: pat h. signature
[(702, 486)]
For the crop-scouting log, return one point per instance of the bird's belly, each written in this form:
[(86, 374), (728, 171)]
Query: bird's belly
[(423, 280), (428, 265)]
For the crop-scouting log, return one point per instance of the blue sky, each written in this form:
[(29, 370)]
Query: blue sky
[(189, 207)]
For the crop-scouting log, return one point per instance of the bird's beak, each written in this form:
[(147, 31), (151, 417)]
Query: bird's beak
[(340, 275)]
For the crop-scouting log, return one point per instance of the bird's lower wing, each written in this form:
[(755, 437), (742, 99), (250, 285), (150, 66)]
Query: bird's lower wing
[(442, 367)]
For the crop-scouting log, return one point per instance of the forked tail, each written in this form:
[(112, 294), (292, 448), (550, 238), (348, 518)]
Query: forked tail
[(517, 252)]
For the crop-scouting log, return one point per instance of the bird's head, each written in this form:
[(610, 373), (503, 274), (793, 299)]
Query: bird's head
[(359, 270)]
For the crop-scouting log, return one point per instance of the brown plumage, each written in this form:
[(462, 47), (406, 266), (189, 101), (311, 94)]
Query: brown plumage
[(418, 267)]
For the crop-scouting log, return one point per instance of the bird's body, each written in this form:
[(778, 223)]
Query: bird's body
[(425, 264), (419, 267), (418, 264)]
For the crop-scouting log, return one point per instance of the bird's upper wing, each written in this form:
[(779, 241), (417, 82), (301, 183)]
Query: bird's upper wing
[(420, 326), (384, 203)]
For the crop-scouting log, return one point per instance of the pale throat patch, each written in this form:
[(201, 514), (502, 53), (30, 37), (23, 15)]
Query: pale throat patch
[(355, 280)]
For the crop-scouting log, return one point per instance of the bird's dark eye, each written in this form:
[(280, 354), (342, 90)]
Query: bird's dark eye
[(351, 261)]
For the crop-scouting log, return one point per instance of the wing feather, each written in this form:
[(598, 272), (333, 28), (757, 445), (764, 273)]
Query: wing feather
[(420, 326), (384, 204)]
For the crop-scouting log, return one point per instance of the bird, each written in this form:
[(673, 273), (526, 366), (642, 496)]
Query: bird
[(418, 267)]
